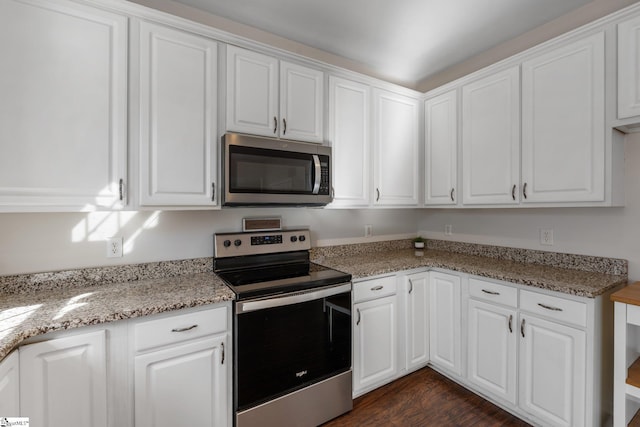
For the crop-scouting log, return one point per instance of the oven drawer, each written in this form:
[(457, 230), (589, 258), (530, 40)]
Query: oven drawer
[(376, 288), (178, 328)]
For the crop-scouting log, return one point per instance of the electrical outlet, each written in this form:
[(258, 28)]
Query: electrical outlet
[(546, 236), (368, 230), (114, 247), (448, 229)]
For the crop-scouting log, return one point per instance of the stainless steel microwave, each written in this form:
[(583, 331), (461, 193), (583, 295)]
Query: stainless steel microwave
[(269, 171)]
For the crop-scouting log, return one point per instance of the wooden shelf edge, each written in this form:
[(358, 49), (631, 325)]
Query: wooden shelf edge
[(633, 373)]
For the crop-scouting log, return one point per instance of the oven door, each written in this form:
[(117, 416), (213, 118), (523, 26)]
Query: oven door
[(287, 343), (266, 171)]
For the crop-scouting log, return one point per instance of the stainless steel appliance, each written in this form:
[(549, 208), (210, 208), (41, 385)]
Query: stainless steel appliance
[(292, 330), (268, 171)]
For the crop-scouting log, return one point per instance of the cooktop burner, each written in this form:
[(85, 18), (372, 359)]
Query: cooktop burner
[(266, 264)]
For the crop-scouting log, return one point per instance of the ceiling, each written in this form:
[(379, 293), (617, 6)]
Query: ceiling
[(405, 40)]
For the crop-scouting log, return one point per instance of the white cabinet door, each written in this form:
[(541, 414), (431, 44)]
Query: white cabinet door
[(396, 173), (63, 109), (252, 92), (417, 321), (629, 68), (350, 144), (184, 384), (552, 371), (441, 149), (444, 321), (63, 381), (374, 342), (563, 135), (301, 102), (178, 136), (492, 342), (491, 139), (10, 386)]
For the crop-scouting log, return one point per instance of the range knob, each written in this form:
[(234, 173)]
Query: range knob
[(294, 239), (227, 243), (237, 242), (302, 238)]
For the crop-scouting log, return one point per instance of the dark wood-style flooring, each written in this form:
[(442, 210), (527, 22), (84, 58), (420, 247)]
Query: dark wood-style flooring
[(424, 398)]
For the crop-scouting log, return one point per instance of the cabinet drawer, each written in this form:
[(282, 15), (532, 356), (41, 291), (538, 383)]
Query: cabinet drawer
[(376, 288), (493, 292), (557, 308), (178, 328)]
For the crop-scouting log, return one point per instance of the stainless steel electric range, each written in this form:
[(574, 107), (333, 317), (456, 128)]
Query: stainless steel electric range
[(292, 330)]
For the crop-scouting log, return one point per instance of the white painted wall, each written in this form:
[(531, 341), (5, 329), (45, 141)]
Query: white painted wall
[(39, 242), (609, 232)]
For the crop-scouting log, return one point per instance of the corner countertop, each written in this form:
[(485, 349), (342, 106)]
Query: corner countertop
[(574, 282), (24, 315)]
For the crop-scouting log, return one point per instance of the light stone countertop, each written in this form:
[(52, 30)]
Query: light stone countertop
[(24, 315), (568, 281)]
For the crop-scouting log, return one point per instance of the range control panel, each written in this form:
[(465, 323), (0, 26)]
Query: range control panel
[(239, 244)]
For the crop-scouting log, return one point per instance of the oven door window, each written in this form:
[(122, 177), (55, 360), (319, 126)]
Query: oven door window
[(286, 348), (256, 170)]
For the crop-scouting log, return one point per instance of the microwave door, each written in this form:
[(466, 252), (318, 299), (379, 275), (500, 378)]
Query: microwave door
[(317, 174)]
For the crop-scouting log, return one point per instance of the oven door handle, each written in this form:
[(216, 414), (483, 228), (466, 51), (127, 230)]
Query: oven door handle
[(317, 174), (247, 306)]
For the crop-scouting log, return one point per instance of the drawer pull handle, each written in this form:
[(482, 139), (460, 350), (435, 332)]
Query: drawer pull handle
[(188, 328), (548, 307), (522, 328), (510, 323), (222, 361), (377, 288), (490, 292), (358, 322), (410, 286)]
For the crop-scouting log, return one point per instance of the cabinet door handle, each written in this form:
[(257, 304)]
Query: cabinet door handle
[(333, 193), (490, 292), (513, 192), (358, 321), (121, 189), (377, 288), (524, 190), (377, 194), (222, 358), (548, 307), (213, 191), (284, 126), (451, 194), (410, 285), (522, 328), (275, 124), (511, 323), (188, 328)]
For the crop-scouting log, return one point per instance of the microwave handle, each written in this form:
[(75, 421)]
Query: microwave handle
[(318, 174)]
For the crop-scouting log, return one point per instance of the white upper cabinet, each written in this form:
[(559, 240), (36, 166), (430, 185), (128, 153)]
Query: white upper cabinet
[(63, 109), (349, 126), (178, 116), (273, 98), (441, 149), (629, 68), (491, 139), (396, 147), (563, 137)]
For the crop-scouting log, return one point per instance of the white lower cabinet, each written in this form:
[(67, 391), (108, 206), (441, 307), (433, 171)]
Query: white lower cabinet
[(63, 381), (552, 371), (416, 320), (444, 321), (492, 343), (375, 333), (182, 385), (10, 385), (182, 369)]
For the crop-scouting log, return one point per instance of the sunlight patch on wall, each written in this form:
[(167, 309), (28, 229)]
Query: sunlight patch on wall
[(150, 223), (98, 226)]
